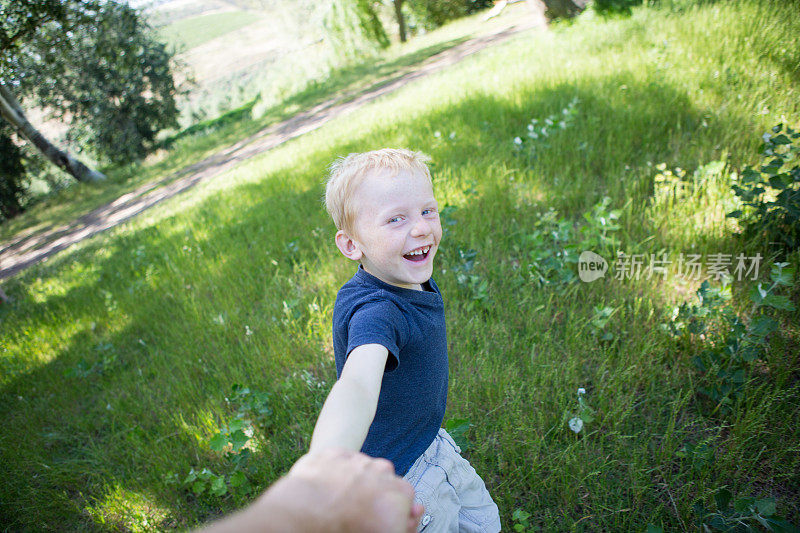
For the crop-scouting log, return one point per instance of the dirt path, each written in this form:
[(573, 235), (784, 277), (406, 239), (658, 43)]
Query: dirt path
[(28, 249)]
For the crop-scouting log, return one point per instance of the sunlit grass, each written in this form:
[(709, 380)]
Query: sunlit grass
[(188, 33), (146, 326)]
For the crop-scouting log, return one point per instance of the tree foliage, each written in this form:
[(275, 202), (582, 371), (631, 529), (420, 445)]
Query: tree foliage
[(434, 13), (353, 26), (96, 65), (93, 64)]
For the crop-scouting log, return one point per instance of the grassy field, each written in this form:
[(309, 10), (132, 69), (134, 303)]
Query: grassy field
[(210, 136), (188, 33), (118, 357)]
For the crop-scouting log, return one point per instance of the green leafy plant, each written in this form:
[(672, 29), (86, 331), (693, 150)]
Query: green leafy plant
[(599, 322), (742, 514), (699, 455), (733, 342), (233, 442), (521, 521), (585, 413), (457, 428), (771, 193), (539, 131), (555, 244), (477, 287)]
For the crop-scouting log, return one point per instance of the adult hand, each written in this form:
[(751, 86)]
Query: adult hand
[(334, 490), (354, 492)]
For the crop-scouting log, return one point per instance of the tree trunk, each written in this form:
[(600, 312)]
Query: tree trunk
[(401, 21), (12, 112)]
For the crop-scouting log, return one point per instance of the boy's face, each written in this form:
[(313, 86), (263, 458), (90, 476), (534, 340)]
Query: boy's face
[(396, 230)]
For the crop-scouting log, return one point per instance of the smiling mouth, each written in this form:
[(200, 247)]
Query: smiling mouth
[(420, 254)]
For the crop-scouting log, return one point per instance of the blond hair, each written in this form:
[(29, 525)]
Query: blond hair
[(347, 172)]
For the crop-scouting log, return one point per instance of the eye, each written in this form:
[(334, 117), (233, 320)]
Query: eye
[(395, 219), (429, 211)]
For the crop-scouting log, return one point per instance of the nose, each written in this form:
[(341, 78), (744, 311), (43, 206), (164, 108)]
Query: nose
[(421, 228)]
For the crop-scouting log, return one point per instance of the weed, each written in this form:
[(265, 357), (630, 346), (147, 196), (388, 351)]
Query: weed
[(585, 413), (233, 442), (745, 514), (521, 521), (734, 343), (772, 193), (457, 428)]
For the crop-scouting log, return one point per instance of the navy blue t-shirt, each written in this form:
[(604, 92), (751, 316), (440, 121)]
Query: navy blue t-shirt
[(410, 324)]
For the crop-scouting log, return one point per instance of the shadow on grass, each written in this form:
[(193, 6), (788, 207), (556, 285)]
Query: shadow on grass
[(163, 317)]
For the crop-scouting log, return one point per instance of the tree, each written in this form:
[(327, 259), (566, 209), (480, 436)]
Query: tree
[(401, 21), (92, 63), (12, 112), (352, 26)]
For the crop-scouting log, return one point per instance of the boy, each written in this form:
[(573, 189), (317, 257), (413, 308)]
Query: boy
[(389, 338)]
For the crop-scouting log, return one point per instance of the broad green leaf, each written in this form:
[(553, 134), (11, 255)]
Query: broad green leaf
[(778, 302), (190, 477), (238, 439), (743, 505), (781, 526), (762, 326), (235, 425), (237, 478), (520, 515), (457, 428), (734, 214), (218, 442), (782, 274), (766, 506), (781, 139), (198, 487), (722, 498), (218, 487)]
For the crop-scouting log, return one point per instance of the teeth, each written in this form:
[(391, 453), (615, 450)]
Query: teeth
[(423, 250)]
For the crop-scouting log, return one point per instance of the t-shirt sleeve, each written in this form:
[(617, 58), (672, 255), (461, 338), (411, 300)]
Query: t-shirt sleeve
[(381, 323)]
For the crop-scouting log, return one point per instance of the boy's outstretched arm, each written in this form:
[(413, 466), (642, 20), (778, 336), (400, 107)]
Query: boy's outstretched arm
[(350, 407)]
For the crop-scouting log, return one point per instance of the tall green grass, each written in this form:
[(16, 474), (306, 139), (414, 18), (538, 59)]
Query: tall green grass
[(189, 33), (117, 355)]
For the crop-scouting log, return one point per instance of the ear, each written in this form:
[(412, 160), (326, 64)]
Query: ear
[(348, 246)]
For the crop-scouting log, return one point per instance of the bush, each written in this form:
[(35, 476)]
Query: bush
[(615, 6), (434, 13), (771, 193)]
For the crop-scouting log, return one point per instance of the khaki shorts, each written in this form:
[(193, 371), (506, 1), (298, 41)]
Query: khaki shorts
[(454, 496)]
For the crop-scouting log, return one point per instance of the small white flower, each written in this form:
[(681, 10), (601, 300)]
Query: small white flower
[(534, 121), (248, 331), (581, 390), (530, 127), (548, 121), (517, 141), (562, 125), (767, 136), (452, 135), (576, 424), (437, 134), (533, 135)]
